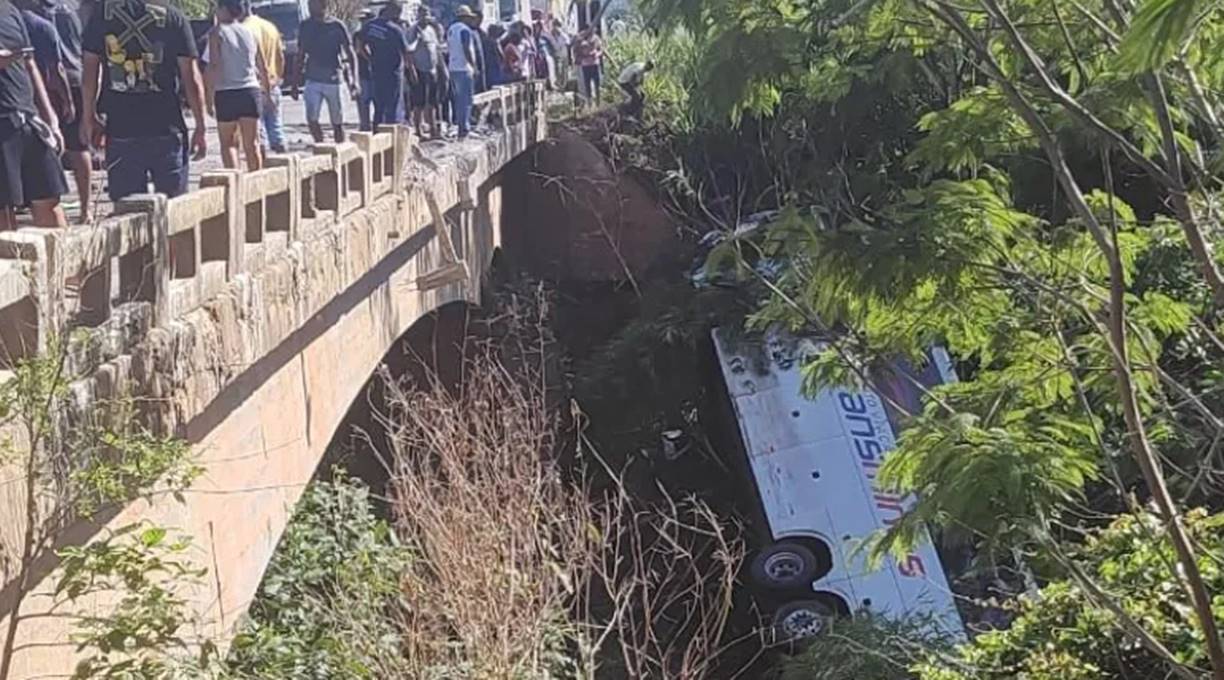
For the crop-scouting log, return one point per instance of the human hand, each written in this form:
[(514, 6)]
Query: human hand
[(91, 131), (8, 57), (199, 143), (57, 135)]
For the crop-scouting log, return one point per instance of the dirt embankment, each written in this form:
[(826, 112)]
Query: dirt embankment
[(570, 215)]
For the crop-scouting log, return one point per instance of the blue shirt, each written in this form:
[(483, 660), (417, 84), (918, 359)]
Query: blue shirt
[(44, 40), (387, 44)]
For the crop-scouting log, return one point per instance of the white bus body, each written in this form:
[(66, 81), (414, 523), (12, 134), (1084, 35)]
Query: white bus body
[(814, 463)]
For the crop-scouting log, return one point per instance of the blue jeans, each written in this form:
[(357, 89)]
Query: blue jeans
[(317, 94), (462, 90), (273, 132), (388, 93), (365, 101), (132, 163)]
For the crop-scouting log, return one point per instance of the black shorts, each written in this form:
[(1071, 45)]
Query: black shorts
[(29, 168), (424, 91), (72, 128), (234, 104)]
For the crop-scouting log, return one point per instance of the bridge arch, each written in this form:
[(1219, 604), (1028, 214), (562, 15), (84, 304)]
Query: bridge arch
[(247, 316)]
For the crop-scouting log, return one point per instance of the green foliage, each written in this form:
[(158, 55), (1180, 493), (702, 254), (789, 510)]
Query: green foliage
[(1158, 31), (130, 463), (325, 607), (1062, 633), (676, 57), (866, 648), (76, 464), (142, 636), (648, 377)]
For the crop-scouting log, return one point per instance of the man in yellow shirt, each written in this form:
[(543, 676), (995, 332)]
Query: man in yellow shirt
[(268, 38)]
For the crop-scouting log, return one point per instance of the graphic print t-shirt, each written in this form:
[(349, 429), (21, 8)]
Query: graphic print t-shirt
[(139, 46)]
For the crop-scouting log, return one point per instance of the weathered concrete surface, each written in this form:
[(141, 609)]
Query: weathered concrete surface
[(259, 375)]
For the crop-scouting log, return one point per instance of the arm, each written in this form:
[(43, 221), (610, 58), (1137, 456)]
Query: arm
[(348, 64), (262, 68), (57, 81), (212, 70), (468, 51), (91, 126), (59, 85), (278, 60), (189, 71), (43, 101)]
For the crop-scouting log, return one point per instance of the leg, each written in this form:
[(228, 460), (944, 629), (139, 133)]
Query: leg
[(364, 101), (248, 128), (314, 103), (127, 171), (335, 111), (462, 84), (82, 171), (8, 219), (227, 134), (48, 213), (272, 122), (79, 161), (168, 164), (42, 180)]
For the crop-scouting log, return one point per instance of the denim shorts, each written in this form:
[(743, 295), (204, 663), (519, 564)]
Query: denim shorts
[(318, 93)]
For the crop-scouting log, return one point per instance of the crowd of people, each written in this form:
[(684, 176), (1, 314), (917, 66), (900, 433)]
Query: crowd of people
[(112, 76), (427, 74)]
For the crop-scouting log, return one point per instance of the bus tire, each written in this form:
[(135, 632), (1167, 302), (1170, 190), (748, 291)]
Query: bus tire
[(802, 620), (784, 566)]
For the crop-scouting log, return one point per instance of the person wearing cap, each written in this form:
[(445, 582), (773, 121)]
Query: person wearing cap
[(462, 43), (383, 42)]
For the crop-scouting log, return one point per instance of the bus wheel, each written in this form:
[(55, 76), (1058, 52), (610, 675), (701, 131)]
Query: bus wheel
[(784, 566), (802, 619)]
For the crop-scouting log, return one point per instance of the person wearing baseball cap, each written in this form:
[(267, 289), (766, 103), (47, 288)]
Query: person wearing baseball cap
[(462, 43)]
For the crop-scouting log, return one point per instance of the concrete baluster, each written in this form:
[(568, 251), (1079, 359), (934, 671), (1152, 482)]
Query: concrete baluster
[(231, 224), (154, 207), (283, 212), (329, 185)]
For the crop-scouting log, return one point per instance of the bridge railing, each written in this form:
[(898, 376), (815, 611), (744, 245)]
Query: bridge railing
[(156, 259)]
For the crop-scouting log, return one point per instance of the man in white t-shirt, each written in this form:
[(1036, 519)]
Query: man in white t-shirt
[(462, 43), (631, 81)]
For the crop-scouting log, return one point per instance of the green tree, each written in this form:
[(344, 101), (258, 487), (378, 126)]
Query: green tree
[(75, 465), (1072, 352)]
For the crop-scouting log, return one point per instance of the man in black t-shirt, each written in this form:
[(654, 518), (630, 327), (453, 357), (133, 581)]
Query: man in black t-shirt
[(30, 139), (137, 57)]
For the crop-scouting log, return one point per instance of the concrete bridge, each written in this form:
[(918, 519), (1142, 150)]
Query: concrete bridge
[(246, 316)]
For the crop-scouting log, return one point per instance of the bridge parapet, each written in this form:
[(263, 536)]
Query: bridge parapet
[(246, 316), (156, 261)]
